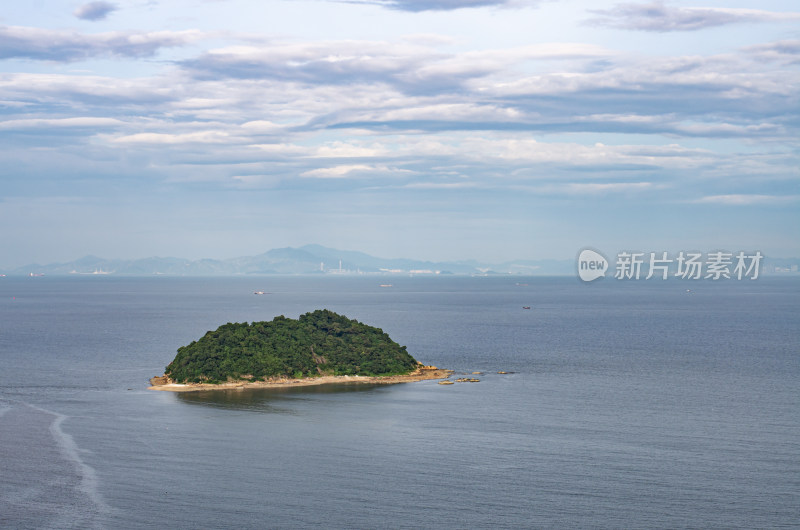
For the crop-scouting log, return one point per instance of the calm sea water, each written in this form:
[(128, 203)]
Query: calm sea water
[(630, 405)]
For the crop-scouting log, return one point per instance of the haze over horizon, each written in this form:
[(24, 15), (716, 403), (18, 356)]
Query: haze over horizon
[(492, 130)]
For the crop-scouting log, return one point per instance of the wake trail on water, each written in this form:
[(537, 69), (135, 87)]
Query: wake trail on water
[(48, 484)]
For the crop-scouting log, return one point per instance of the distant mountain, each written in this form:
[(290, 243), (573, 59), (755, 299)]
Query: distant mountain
[(317, 259), (308, 259)]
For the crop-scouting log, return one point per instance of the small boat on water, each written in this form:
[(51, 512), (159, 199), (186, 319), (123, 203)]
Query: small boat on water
[(526, 307), (259, 292)]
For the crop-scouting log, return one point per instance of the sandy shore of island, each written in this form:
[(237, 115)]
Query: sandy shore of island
[(162, 383)]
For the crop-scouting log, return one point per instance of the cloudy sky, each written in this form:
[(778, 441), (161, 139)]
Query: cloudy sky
[(431, 129)]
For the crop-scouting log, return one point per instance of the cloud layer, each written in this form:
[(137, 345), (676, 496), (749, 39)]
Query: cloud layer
[(177, 128), (403, 108)]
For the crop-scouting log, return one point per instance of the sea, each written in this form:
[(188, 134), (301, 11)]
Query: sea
[(625, 404)]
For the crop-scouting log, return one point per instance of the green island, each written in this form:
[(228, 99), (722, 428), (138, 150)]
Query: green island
[(319, 345)]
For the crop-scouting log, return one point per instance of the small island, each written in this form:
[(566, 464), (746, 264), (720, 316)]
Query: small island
[(319, 347)]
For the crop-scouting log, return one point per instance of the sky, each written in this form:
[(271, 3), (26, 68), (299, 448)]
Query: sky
[(428, 129)]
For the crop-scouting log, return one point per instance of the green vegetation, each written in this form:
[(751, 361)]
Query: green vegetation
[(318, 343)]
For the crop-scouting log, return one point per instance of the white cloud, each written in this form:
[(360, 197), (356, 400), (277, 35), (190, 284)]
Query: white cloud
[(202, 137), (57, 45), (747, 199), (409, 68), (262, 126), (341, 149), (95, 10), (58, 123), (608, 187), (436, 5), (658, 16), (351, 170), (282, 149), (785, 51), (468, 112)]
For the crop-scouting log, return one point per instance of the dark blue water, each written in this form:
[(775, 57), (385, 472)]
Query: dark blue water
[(631, 404)]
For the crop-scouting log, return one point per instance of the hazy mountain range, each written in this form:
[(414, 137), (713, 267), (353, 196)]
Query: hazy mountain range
[(317, 259), (309, 259)]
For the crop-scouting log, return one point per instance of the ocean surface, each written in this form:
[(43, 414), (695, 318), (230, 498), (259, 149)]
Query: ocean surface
[(661, 404)]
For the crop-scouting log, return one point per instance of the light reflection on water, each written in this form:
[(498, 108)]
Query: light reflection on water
[(270, 399)]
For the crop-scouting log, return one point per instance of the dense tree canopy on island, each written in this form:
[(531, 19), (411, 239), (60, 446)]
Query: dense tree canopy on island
[(318, 343)]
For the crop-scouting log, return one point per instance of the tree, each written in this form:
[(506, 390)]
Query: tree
[(319, 342)]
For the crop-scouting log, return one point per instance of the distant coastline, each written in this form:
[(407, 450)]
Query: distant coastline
[(318, 260), (314, 260), (164, 384)]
